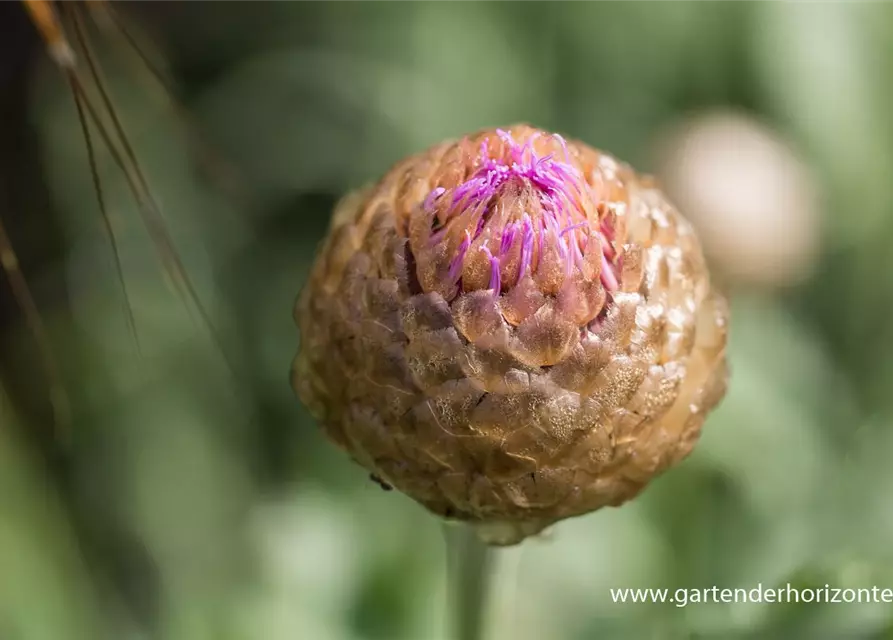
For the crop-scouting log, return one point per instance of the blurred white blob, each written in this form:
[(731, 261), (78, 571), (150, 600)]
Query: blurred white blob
[(754, 203)]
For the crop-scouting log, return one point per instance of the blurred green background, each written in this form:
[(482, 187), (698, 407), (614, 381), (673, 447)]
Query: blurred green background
[(187, 504)]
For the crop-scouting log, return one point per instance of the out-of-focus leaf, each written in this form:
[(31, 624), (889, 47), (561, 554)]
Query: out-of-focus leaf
[(46, 591), (317, 554), (822, 77)]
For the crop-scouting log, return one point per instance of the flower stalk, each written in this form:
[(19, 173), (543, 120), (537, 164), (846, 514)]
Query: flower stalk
[(472, 566)]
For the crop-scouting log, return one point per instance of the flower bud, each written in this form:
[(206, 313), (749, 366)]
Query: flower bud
[(511, 329)]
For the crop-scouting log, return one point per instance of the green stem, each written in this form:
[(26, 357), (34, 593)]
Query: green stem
[(470, 574)]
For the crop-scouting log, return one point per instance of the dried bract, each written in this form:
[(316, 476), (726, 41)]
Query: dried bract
[(512, 329)]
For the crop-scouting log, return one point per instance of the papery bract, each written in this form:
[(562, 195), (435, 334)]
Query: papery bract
[(512, 329)]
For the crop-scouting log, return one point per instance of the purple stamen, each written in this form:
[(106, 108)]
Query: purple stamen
[(578, 254), (562, 246), (567, 254), (526, 246), (495, 276), (456, 262), (432, 197), (563, 143), (552, 222), (572, 227), (508, 238), (554, 228)]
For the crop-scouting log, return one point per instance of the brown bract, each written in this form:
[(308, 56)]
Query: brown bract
[(506, 351)]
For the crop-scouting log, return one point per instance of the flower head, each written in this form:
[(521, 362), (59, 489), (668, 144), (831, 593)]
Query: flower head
[(522, 212), (512, 329)]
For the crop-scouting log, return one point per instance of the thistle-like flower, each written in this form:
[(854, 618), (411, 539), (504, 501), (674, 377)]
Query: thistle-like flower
[(511, 329)]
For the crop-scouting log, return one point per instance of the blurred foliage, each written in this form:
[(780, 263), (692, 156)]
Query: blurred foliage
[(192, 501)]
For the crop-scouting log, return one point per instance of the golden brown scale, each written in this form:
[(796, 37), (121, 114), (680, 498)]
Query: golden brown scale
[(516, 408)]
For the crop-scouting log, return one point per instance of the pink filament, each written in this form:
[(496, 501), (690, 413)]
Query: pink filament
[(559, 184)]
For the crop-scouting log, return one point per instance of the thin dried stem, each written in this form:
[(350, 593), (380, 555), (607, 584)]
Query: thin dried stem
[(124, 156), (223, 173), (107, 222), (34, 320), (62, 25)]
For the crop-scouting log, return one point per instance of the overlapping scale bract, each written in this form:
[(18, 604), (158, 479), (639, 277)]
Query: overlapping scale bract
[(517, 406)]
